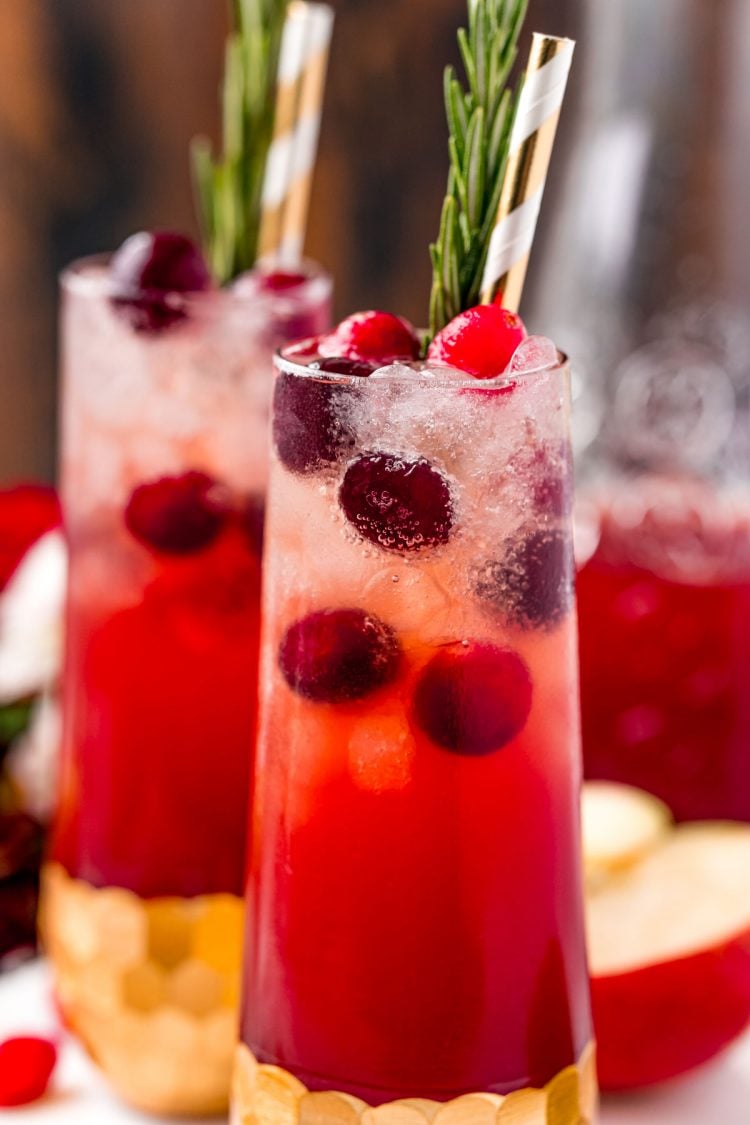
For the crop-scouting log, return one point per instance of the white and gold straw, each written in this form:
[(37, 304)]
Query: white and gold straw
[(303, 63), (533, 135)]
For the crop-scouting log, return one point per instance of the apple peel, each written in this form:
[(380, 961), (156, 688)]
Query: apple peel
[(669, 946)]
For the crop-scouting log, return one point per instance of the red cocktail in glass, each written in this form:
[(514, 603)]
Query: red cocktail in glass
[(664, 603), (165, 410), (416, 924)]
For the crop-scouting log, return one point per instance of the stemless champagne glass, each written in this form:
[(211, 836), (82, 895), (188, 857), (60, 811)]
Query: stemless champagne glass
[(164, 464), (415, 937)]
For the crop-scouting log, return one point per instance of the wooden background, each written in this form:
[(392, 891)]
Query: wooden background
[(98, 101)]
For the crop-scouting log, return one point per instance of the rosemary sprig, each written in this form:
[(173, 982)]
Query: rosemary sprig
[(229, 188), (480, 118)]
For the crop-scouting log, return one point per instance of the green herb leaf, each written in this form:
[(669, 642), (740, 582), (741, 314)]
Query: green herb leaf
[(480, 117), (229, 187)]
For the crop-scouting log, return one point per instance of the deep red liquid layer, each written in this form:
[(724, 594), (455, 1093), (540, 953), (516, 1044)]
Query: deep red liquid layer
[(665, 686), (423, 940), (159, 725)]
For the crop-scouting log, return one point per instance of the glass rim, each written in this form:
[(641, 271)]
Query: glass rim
[(77, 278), (292, 366)]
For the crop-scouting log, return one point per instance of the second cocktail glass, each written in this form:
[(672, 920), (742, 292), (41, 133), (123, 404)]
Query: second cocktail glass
[(164, 465), (415, 911)]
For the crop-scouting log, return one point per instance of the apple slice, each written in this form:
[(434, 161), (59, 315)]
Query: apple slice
[(620, 826), (669, 946)]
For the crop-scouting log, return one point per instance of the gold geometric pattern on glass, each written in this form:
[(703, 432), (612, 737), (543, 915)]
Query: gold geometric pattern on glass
[(150, 987), (269, 1095)]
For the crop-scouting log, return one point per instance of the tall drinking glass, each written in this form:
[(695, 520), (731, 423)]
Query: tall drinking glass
[(164, 465), (415, 932), (645, 278)]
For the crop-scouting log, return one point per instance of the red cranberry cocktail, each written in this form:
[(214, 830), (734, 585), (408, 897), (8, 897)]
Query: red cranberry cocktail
[(167, 384), (415, 921), (665, 644)]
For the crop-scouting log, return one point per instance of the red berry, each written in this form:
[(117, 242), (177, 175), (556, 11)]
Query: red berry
[(338, 655), (473, 698), (379, 337), (149, 272), (311, 427), (26, 1065), (176, 515), (26, 513), (279, 281), (480, 341), (398, 503), (340, 365), (532, 585)]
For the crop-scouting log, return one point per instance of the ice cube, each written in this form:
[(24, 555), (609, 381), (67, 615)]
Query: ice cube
[(410, 596), (381, 752), (394, 371), (535, 353)]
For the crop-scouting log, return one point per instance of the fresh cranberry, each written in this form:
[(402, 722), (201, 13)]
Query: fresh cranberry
[(176, 515), (339, 655), (27, 511), (379, 337), (401, 504), (279, 281), (340, 365), (26, 1066), (480, 341), (149, 272), (532, 585), (253, 517), (473, 698), (310, 422)]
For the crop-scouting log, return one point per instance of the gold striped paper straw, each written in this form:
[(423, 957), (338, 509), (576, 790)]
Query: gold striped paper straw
[(532, 137), (303, 62)]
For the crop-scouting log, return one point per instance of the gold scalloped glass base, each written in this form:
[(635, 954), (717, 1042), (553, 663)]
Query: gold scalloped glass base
[(151, 987), (268, 1095)]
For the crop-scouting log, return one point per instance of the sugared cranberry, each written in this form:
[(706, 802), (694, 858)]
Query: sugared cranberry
[(176, 515), (253, 515), (473, 698), (480, 341), (338, 655), (310, 422), (379, 337), (26, 1066), (401, 504), (532, 585), (340, 365), (149, 273), (279, 281)]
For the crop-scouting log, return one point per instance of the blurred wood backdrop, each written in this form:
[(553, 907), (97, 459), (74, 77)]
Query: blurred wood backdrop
[(98, 101)]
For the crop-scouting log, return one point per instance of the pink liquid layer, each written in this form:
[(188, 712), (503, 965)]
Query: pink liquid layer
[(665, 675), (159, 728), (421, 938)]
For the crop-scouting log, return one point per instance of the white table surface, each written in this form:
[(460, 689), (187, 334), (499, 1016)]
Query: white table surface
[(717, 1094)]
